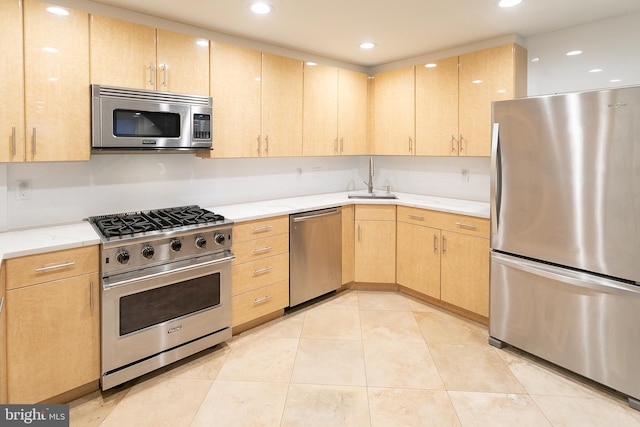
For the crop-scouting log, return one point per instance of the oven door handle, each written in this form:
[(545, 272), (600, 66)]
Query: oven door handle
[(174, 270)]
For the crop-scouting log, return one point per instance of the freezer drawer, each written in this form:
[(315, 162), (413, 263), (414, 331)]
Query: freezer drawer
[(585, 323)]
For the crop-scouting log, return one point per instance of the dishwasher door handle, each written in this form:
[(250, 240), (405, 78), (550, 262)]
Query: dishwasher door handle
[(307, 217)]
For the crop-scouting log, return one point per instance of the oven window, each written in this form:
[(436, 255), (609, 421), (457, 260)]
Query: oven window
[(148, 308), (136, 123)]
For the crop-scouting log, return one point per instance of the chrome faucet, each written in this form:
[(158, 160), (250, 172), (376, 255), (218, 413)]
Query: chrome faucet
[(371, 173)]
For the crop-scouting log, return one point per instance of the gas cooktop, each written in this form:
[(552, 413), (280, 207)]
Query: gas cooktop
[(133, 224)]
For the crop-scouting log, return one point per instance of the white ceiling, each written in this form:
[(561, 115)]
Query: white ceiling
[(401, 28)]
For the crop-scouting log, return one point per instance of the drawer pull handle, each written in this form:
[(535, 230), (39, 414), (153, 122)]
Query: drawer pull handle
[(1, 304), (435, 243), (420, 217), (53, 267), (263, 299), (462, 224), (262, 270), (265, 228), (260, 250)]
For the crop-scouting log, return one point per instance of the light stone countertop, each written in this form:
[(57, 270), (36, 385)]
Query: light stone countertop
[(36, 240)]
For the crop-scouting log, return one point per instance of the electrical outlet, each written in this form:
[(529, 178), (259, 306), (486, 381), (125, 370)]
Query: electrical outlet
[(465, 175), (24, 190)]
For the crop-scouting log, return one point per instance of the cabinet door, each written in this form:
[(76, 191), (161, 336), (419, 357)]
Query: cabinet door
[(465, 272), (3, 337), (320, 116), (485, 76), (281, 106), (12, 83), (55, 348), (437, 108), (418, 262), (348, 248), (394, 112), (353, 95), (183, 63), (58, 121), (235, 90), (122, 53), (375, 251)]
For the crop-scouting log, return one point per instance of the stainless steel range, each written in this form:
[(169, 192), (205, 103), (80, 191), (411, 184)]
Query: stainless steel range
[(166, 288)]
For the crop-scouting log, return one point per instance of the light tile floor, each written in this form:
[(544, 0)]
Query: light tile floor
[(359, 358)]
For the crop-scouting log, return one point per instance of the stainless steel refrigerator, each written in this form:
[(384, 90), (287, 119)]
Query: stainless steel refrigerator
[(565, 232)]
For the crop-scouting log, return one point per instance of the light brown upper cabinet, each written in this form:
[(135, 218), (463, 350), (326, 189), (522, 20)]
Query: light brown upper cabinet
[(394, 112), (454, 95), (12, 83), (335, 111), (56, 68), (257, 103), (131, 55)]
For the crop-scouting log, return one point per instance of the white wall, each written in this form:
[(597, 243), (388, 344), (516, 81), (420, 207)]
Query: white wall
[(612, 45)]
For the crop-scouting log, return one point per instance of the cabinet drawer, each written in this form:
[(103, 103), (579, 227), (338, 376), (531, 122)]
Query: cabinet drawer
[(464, 224), (40, 268), (260, 248), (256, 274), (376, 212), (259, 302), (260, 228)]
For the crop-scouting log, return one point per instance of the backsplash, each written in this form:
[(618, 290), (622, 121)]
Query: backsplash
[(70, 191)]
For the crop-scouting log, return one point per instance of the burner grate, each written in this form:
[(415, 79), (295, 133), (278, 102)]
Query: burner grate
[(129, 224)]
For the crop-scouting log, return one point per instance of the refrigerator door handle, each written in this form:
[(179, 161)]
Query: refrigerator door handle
[(564, 275), (496, 177)]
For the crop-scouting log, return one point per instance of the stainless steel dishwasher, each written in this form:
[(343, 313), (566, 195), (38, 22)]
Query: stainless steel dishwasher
[(315, 254)]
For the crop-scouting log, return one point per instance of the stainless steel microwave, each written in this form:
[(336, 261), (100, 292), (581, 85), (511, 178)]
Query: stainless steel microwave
[(126, 119)]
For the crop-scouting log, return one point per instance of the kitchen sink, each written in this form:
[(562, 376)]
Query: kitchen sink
[(373, 196)]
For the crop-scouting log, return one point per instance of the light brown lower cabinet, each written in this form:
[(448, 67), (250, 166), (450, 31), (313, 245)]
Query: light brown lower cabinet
[(375, 243), (348, 244), (52, 326), (445, 256)]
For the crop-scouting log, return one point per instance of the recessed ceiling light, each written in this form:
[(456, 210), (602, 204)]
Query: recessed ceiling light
[(509, 3), (595, 70), (615, 80), (261, 8), (574, 52), (367, 45), (56, 10), (536, 59), (430, 65)]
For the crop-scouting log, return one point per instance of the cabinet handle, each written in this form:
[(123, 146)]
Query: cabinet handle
[(462, 224), (420, 217), (151, 74), (1, 304), (341, 144), (13, 140), (258, 139), (358, 233), (266, 144), (91, 295), (444, 244), (460, 144), (410, 144), (53, 267), (260, 250), (260, 229), (263, 299), (453, 147), (262, 270), (435, 243), (34, 145), (335, 146), (163, 67)]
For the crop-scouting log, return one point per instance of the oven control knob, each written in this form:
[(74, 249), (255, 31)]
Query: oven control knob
[(219, 238), (201, 242), (176, 245), (148, 251), (122, 256)]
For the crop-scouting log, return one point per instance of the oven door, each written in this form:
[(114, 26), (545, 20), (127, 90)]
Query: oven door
[(144, 314)]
